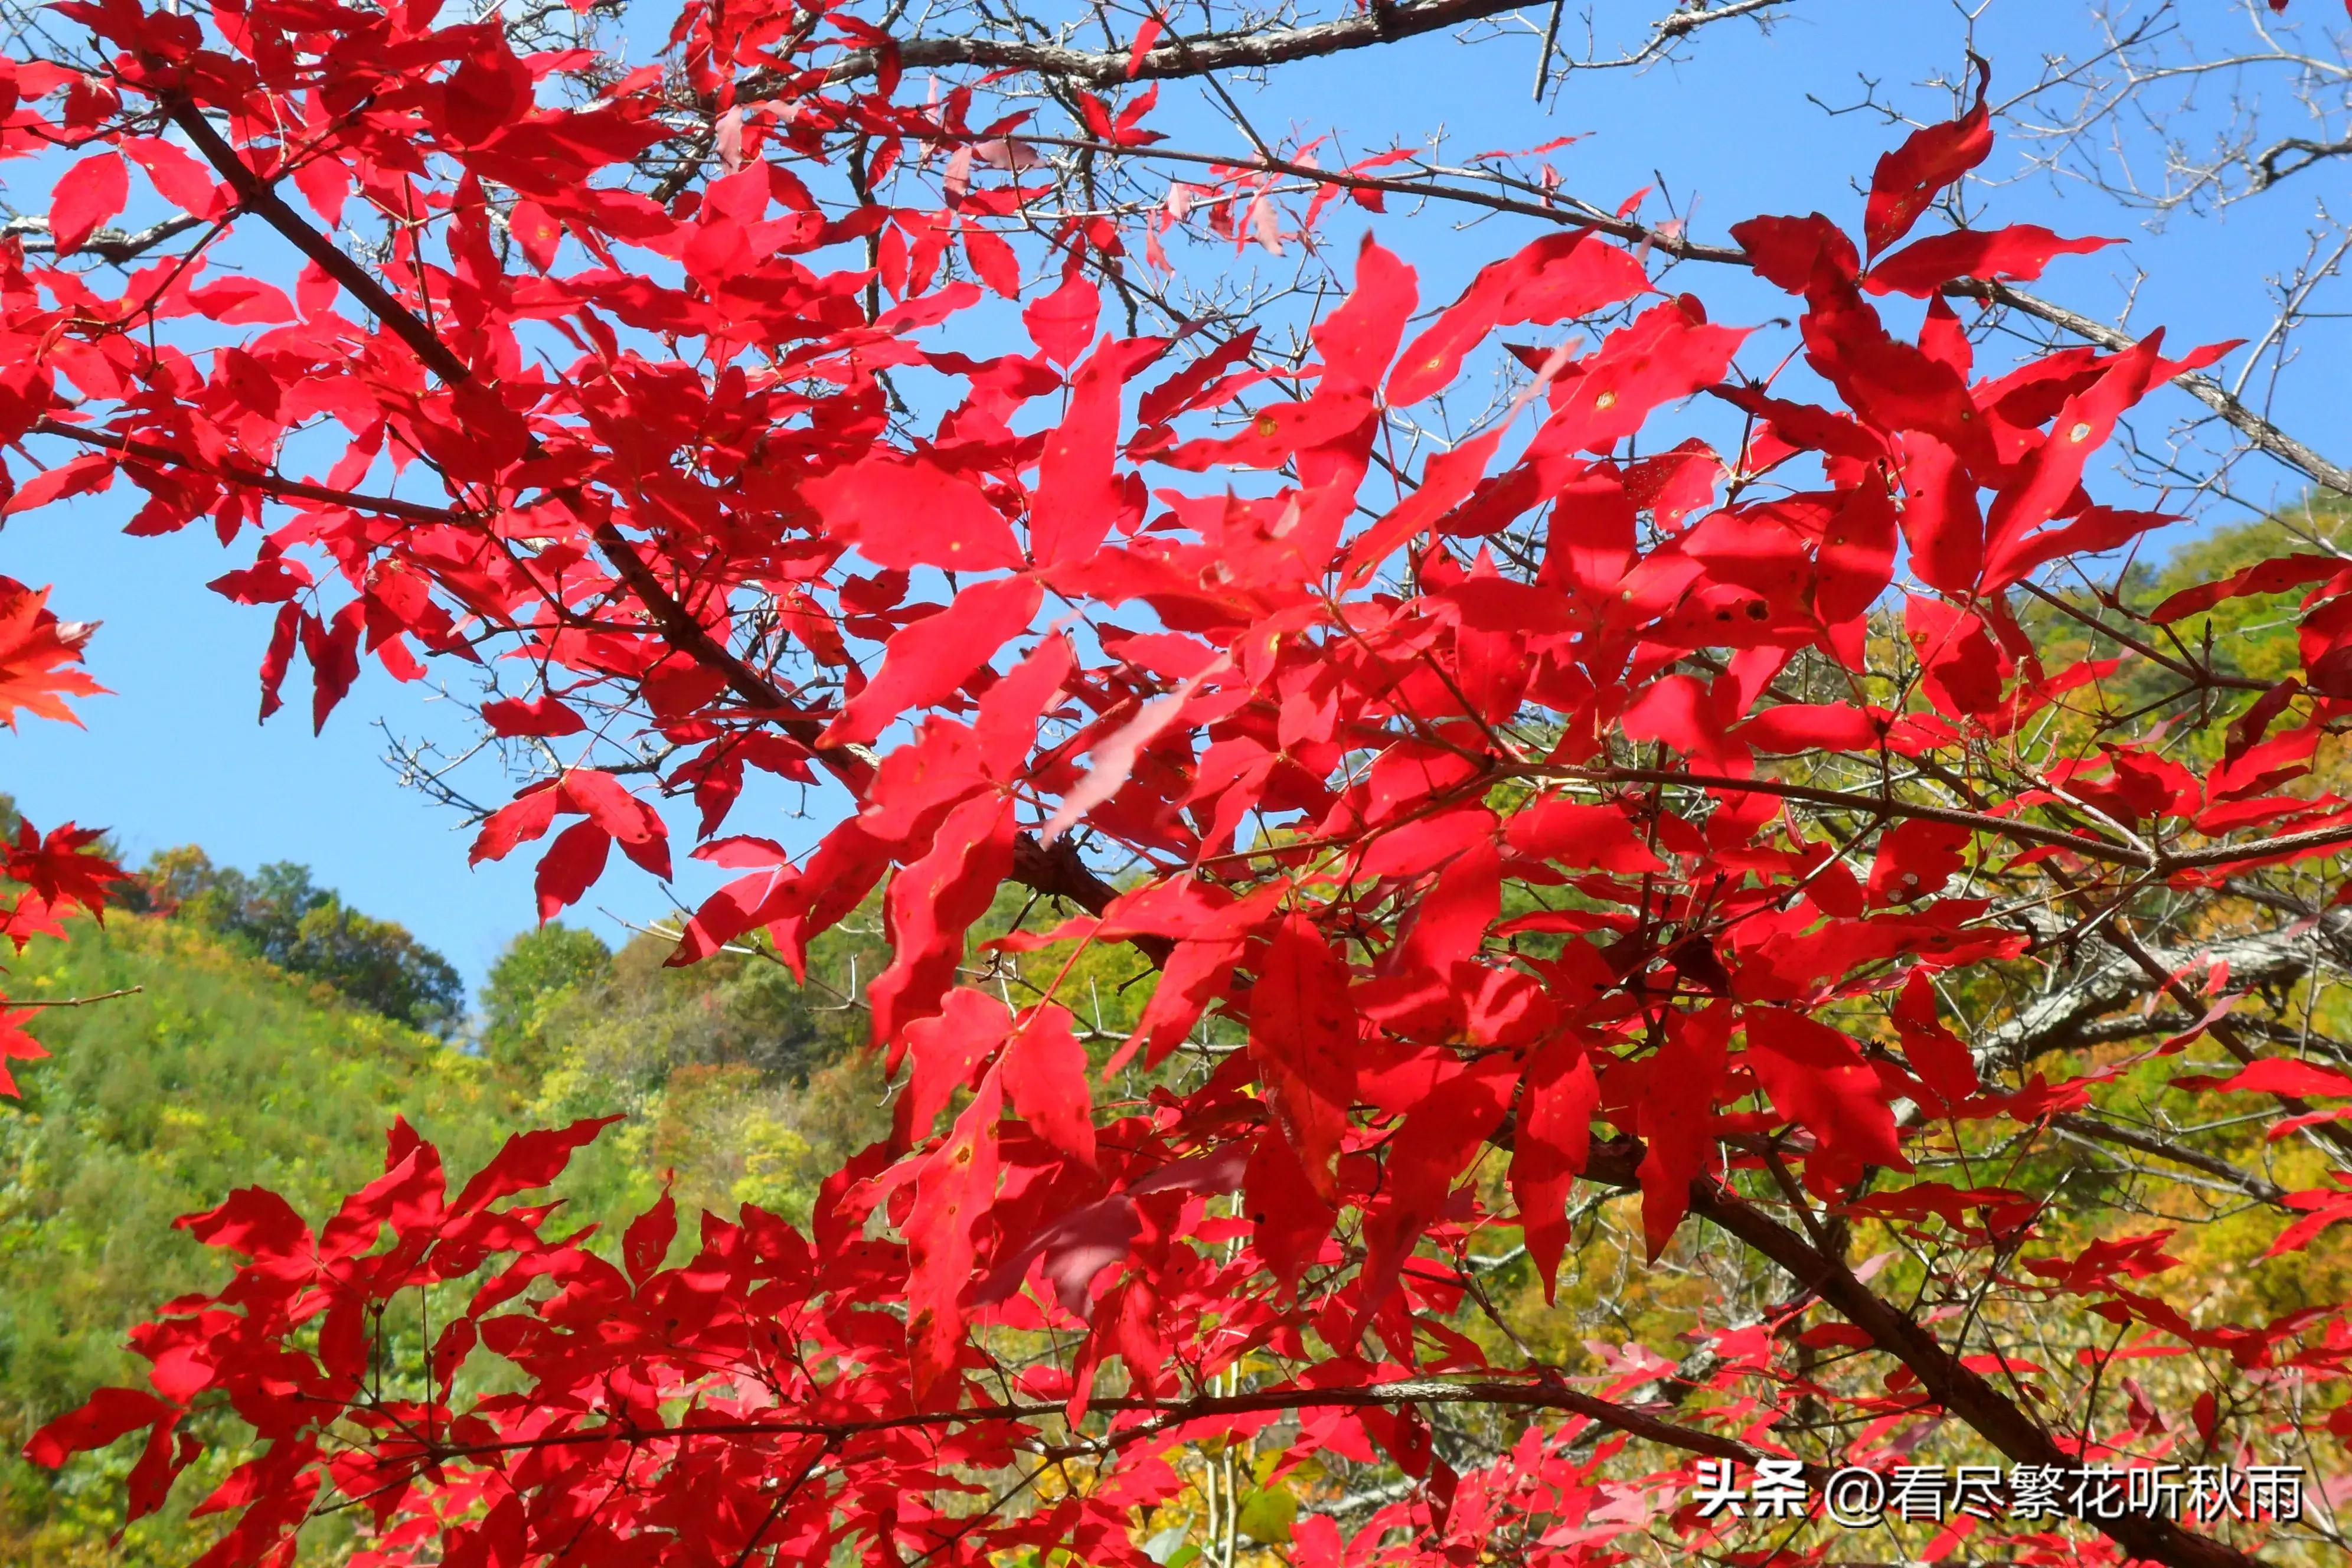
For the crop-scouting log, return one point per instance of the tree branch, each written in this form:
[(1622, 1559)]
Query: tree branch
[(1053, 875), (1175, 58), (115, 244), (1169, 1412), (2257, 429), (70, 1001), (2272, 166), (253, 479), (1963, 1393), (2199, 385), (2253, 1187), (2062, 1018), (2119, 933)]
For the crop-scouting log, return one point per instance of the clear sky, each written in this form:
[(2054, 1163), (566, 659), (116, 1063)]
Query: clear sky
[(175, 756)]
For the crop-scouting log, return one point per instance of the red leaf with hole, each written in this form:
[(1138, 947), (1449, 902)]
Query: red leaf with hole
[(1303, 1037), (954, 1194), (2049, 475), (1916, 859), (1817, 1078), (1668, 352)]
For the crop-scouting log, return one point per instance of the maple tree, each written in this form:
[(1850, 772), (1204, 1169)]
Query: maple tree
[(1584, 802)]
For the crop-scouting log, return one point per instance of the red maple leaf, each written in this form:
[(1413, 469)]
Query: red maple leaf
[(38, 652)]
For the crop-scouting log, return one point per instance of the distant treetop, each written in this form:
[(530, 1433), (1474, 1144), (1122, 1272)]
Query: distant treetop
[(304, 928)]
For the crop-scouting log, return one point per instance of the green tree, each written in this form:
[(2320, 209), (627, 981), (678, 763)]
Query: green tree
[(217, 1073), (741, 1085), (281, 915), (539, 972)]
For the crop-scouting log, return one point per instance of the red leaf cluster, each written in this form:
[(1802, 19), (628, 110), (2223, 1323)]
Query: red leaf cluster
[(1454, 787)]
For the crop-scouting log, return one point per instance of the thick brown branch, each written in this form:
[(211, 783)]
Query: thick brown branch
[(1965, 1394), (1197, 56), (114, 245), (2199, 385), (259, 196), (2246, 1182), (2096, 1000), (1252, 49)]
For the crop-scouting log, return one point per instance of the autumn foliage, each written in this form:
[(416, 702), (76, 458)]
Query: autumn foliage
[(54, 873), (1617, 796)]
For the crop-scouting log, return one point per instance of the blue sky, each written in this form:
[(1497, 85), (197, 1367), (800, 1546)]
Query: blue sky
[(175, 756)]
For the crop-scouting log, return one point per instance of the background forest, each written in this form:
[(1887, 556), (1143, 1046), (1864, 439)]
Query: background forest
[(255, 1029)]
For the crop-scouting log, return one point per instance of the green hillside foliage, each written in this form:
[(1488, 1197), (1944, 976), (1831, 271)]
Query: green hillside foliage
[(279, 914), (740, 1085), (220, 1072), (224, 1071)]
